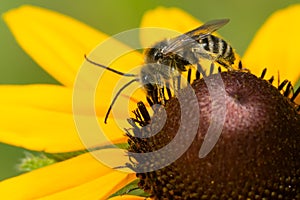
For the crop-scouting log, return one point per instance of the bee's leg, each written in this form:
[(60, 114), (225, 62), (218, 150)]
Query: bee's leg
[(178, 82), (161, 95), (151, 91), (150, 101), (200, 71), (219, 69), (211, 69), (156, 95), (189, 75), (168, 90), (197, 75), (152, 95), (174, 85), (160, 88)]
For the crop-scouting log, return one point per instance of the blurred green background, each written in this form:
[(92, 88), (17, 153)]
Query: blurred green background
[(113, 17)]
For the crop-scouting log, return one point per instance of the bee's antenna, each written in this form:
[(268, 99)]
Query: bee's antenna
[(108, 68), (116, 96)]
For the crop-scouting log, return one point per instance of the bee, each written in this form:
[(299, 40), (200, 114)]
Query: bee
[(189, 47), (167, 59)]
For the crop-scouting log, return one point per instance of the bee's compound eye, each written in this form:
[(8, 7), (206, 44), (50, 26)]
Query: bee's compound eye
[(146, 75), (146, 78), (157, 55)]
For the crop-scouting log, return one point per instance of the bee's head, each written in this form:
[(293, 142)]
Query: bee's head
[(155, 53), (147, 77)]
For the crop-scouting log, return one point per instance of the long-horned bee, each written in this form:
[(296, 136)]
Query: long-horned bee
[(167, 59), (189, 47)]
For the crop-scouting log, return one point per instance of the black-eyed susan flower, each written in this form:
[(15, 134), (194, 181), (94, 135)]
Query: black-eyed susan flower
[(58, 44), (255, 157)]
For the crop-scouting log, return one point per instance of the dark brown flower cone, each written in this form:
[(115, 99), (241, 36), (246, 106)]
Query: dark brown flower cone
[(256, 156)]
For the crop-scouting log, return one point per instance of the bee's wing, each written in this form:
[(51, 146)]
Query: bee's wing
[(194, 35), (207, 28)]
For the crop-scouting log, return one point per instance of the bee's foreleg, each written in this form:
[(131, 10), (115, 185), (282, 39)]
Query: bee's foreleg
[(160, 88)]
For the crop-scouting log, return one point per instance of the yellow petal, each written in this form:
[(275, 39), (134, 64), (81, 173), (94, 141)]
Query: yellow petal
[(276, 46), (37, 129), (39, 117), (174, 19), (83, 175), (127, 197), (45, 130), (49, 97), (171, 18), (56, 42), (100, 188)]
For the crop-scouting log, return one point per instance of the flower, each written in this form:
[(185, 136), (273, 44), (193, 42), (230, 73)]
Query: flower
[(256, 150), (44, 112)]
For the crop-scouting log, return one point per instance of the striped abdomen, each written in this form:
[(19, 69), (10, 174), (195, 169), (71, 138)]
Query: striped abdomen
[(219, 50)]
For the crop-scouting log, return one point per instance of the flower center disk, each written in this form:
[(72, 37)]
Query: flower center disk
[(256, 156)]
